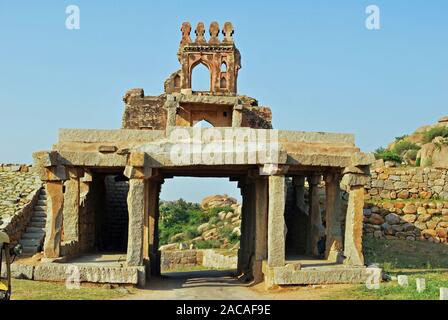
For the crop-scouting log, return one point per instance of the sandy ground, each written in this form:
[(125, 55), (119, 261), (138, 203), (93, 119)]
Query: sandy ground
[(223, 285)]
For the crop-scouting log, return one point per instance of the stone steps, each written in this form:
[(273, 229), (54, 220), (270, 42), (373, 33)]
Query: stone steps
[(33, 237)]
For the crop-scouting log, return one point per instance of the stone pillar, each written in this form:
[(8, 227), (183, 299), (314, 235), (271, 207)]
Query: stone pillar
[(237, 116), (354, 185), (299, 187), (53, 227), (171, 106), (261, 227), (317, 230), (54, 177), (334, 246), (136, 209), (242, 252), (137, 206), (152, 228), (276, 221), (86, 217), (71, 206)]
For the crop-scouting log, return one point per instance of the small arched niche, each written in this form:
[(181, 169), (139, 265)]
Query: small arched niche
[(176, 81), (223, 67), (223, 83)]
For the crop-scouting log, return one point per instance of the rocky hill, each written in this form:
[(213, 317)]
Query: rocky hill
[(215, 223), (426, 147)]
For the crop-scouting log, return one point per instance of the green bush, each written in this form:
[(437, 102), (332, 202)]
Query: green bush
[(401, 137), (435, 132), (208, 244), (412, 154), (401, 147), (387, 155), (418, 162)]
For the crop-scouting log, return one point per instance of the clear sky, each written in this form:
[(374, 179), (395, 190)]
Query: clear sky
[(313, 62)]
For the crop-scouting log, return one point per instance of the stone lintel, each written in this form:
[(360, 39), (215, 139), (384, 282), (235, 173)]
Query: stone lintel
[(362, 159)]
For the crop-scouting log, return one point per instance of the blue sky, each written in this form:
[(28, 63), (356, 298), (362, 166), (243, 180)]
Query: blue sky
[(313, 62)]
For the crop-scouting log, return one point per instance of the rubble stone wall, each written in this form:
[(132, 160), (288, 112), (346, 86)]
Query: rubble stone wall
[(19, 191), (407, 203), (208, 258), (407, 183)]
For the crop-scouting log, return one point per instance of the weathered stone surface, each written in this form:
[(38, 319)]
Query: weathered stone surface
[(95, 274), (276, 221), (136, 208), (287, 276), (353, 229), (53, 228)]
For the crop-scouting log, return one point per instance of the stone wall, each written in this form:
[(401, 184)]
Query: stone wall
[(208, 258), (19, 190), (419, 220), (407, 183)]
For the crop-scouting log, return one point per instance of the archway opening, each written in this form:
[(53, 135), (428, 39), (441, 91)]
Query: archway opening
[(200, 78), (199, 227), (203, 124)]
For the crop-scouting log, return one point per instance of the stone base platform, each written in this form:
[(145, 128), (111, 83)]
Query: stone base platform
[(98, 268), (311, 271)]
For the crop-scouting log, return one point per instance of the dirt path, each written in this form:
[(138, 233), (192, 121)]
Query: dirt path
[(222, 285)]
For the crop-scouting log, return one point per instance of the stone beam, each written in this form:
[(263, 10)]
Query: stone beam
[(71, 206)]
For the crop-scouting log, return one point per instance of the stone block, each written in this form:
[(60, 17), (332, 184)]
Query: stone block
[(420, 284), (403, 280)]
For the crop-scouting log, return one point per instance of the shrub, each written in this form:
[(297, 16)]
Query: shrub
[(401, 137), (208, 244), (418, 162), (387, 155), (412, 154), (401, 147), (435, 132)]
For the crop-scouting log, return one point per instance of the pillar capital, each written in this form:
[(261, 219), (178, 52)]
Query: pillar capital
[(54, 173), (273, 169), (143, 173)]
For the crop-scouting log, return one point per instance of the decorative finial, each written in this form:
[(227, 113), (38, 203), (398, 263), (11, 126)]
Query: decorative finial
[(214, 32), (185, 29), (200, 31), (227, 31)]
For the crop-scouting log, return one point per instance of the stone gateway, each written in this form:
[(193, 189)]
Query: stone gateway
[(287, 235)]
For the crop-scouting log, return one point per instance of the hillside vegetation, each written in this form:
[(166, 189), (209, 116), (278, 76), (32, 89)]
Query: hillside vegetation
[(215, 223)]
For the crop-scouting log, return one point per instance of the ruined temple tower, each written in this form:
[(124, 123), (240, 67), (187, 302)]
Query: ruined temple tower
[(87, 172)]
